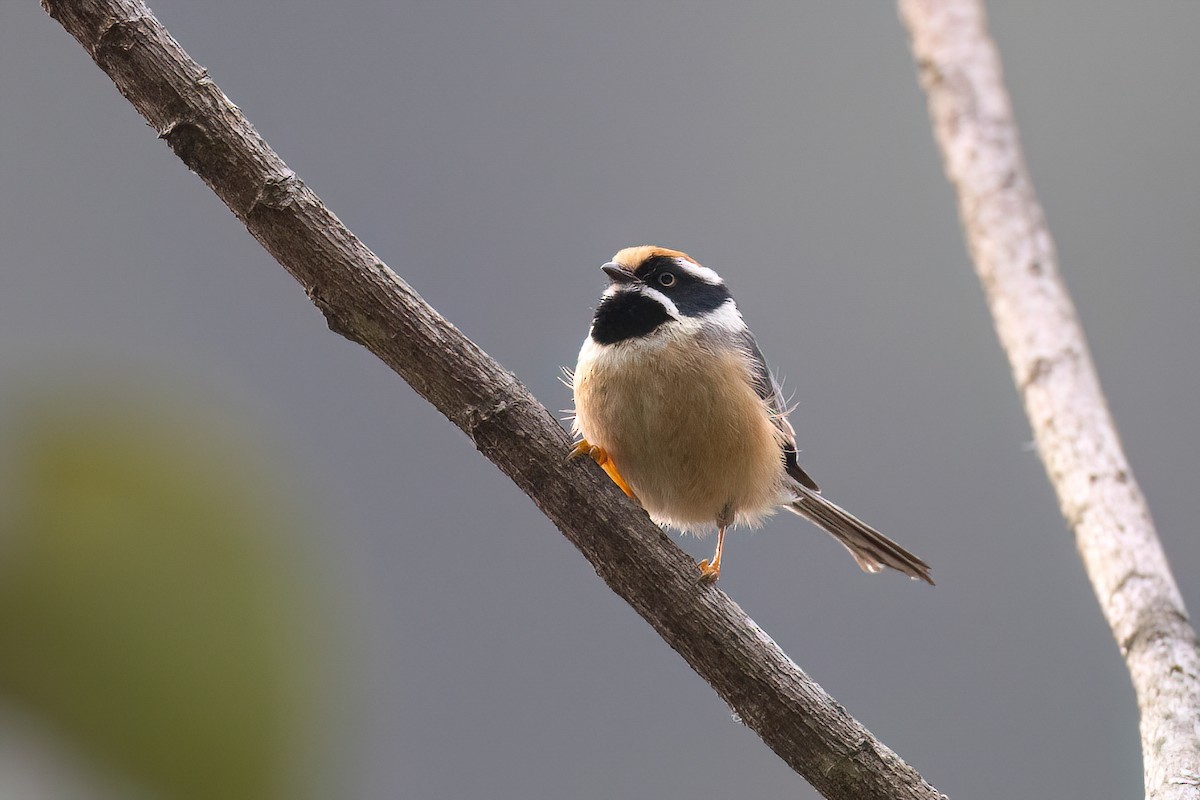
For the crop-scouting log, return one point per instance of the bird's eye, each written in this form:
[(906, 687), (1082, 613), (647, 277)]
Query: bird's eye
[(666, 279)]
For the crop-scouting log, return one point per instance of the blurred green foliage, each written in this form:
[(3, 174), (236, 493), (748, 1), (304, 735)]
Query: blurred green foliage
[(150, 605)]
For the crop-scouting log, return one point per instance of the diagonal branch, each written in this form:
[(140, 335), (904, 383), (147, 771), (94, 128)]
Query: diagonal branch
[(367, 303), (1038, 328)]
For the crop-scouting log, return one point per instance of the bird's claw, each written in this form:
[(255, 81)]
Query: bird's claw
[(600, 456)]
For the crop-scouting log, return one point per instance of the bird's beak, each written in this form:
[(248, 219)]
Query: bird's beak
[(618, 274)]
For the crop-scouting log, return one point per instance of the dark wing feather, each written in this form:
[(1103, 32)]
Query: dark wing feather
[(768, 389)]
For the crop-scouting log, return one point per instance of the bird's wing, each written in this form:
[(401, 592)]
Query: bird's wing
[(768, 389)]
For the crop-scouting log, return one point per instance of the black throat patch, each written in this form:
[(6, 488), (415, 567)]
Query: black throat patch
[(626, 315)]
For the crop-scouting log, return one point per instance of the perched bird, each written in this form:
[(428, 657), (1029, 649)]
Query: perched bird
[(674, 400)]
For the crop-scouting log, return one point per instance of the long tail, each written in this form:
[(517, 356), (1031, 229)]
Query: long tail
[(871, 549)]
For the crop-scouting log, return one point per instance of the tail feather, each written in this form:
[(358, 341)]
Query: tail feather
[(871, 549)]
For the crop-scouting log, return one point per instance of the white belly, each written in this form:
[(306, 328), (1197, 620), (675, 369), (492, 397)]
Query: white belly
[(684, 427)]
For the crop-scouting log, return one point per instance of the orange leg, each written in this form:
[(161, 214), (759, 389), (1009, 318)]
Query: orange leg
[(711, 570), (600, 456)]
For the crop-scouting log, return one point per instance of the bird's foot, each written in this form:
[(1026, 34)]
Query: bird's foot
[(711, 570), (600, 456), (584, 447)]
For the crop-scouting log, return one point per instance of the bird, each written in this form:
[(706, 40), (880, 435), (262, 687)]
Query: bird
[(675, 401)]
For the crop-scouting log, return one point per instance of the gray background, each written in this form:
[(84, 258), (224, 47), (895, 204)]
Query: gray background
[(494, 154)]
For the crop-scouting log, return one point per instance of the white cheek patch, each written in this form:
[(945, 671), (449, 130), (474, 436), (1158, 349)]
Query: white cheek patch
[(726, 316), (661, 299)]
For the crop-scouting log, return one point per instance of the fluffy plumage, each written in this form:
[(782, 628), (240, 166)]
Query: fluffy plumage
[(673, 390)]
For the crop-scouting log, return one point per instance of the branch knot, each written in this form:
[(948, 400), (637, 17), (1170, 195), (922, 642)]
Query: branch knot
[(477, 418), (278, 193)]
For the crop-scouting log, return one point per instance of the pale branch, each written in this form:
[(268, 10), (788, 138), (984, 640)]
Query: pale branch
[(1015, 259), (367, 303)]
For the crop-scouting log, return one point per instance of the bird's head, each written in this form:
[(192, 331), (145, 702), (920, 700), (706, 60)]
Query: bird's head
[(652, 287)]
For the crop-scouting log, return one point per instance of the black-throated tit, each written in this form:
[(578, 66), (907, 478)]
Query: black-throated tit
[(674, 400)]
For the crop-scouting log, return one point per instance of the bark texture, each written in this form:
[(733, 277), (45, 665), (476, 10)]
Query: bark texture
[(1015, 259), (367, 303)]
